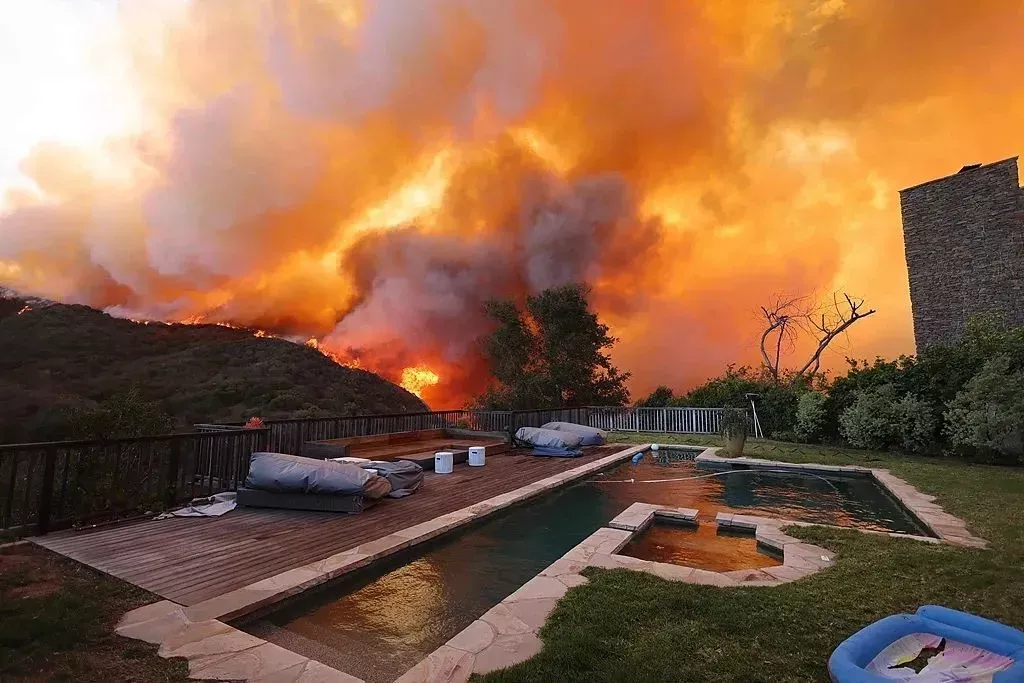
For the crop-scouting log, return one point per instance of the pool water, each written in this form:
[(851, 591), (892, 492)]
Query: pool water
[(842, 501), (383, 620), (379, 622), (703, 546)]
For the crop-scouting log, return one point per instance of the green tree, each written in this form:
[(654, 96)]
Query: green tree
[(122, 415), (552, 353), (659, 398)]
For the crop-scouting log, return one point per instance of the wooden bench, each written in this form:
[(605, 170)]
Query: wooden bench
[(418, 446)]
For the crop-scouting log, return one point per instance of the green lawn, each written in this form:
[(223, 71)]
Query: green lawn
[(628, 626), (57, 619)]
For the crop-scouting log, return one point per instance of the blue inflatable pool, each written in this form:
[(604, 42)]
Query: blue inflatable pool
[(973, 649)]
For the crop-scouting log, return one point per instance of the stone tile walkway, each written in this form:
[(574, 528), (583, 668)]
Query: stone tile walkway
[(217, 651)]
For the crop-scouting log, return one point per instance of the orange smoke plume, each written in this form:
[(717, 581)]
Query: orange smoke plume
[(368, 172)]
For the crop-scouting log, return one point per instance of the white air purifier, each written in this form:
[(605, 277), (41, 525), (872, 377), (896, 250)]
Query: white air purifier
[(476, 456), (444, 461)]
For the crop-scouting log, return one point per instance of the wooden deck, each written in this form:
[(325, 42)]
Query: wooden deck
[(189, 560)]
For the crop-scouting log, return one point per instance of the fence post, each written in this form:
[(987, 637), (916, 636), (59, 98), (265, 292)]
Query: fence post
[(46, 493), (262, 440), (173, 472)]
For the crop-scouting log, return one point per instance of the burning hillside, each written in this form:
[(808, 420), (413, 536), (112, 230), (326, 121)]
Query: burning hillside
[(367, 173)]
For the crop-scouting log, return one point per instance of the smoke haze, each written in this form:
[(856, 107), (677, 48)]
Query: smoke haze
[(368, 173)]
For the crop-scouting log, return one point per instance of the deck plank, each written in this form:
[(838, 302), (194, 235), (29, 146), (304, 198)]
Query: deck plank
[(189, 560)]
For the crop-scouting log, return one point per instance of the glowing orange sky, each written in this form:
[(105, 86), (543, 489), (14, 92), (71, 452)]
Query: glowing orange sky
[(369, 172)]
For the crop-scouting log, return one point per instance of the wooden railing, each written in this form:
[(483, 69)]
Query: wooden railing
[(288, 435), (49, 485)]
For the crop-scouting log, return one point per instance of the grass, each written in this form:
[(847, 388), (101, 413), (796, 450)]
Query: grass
[(628, 626), (57, 619)]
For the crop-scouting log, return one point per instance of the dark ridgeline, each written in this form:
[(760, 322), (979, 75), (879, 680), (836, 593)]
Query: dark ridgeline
[(964, 239), (56, 357)]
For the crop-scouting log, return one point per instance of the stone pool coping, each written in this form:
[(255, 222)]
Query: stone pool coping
[(216, 650)]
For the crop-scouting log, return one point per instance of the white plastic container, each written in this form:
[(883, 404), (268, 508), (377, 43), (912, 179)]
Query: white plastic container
[(476, 456), (443, 462)]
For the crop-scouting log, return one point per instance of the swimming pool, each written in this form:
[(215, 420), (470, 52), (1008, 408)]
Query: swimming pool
[(857, 502), (379, 622)]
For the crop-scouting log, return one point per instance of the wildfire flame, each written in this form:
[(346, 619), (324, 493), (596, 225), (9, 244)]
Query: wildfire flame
[(369, 173), (418, 379)]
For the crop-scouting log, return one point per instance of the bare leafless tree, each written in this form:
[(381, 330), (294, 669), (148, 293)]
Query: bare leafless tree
[(782, 328), (786, 319)]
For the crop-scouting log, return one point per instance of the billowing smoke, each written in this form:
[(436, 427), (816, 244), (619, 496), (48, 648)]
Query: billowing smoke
[(370, 172)]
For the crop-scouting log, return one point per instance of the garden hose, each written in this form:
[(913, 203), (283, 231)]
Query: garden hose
[(713, 474)]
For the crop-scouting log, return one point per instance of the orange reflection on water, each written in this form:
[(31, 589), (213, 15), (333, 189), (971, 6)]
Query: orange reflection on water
[(397, 608), (680, 483), (699, 546)]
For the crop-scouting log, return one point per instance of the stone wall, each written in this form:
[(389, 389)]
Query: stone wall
[(964, 239)]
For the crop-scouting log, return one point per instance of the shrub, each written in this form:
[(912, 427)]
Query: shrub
[(734, 421), (916, 424), (776, 404), (810, 417), (880, 418), (936, 375), (987, 417), (868, 422)]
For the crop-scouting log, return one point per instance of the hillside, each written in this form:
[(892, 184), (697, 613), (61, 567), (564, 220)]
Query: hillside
[(56, 357)]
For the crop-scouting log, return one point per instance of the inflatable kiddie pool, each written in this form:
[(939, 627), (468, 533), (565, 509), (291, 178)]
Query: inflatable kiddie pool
[(971, 648)]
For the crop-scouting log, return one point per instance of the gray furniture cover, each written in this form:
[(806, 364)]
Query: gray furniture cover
[(315, 502), (591, 435), (281, 473), (403, 475), (548, 438)]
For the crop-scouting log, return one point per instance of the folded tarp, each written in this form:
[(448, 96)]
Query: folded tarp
[(216, 505), (591, 436), (550, 442), (281, 473)]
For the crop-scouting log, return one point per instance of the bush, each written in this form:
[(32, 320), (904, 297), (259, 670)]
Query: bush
[(936, 375), (880, 418), (810, 417), (776, 404), (916, 424), (734, 421), (987, 417), (868, 422)]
